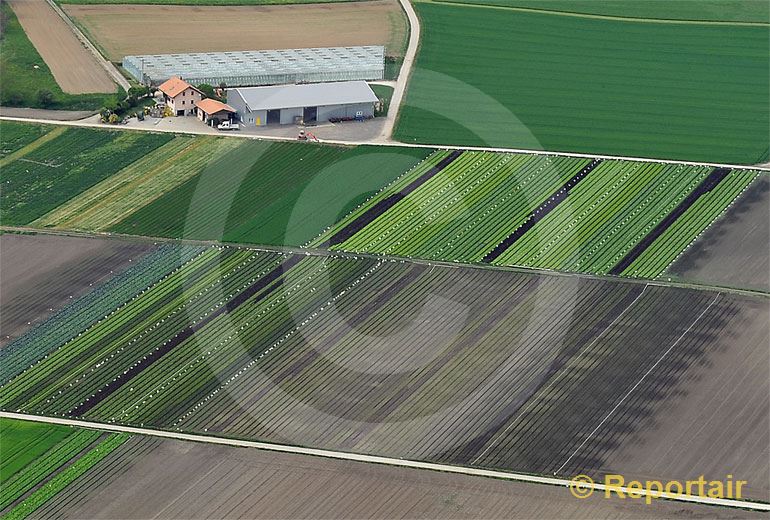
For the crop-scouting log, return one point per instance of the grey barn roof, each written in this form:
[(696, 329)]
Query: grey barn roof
[(268, 67), (317, 94)]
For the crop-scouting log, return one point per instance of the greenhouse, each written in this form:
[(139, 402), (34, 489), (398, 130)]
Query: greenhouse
[(253, 68)]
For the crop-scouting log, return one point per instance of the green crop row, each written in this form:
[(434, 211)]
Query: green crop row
[(480, 199), (223, 348), (136, 185), (103, 301), (61, 480), (29, 477), (23, 442), (15, 136), (268, 193), (662, 253), (604, 217), (465, 209), (98, 355), (63, 167)]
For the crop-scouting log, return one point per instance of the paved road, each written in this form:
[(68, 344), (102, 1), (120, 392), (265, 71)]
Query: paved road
[(372, 459), (403, 75), (205, 131)]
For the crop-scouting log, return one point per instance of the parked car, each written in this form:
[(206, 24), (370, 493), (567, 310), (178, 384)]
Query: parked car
[(228, 125)]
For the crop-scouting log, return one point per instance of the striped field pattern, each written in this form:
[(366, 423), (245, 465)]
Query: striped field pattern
[(547, 212), (382, 356)]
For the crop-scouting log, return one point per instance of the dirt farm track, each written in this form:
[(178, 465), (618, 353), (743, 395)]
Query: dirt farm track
[(72, 65), (172, 29)]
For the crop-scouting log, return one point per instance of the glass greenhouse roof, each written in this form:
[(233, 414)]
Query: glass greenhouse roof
[(272, 67)]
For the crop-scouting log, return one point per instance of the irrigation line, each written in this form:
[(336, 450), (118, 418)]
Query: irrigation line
[(649, 371), (374, 459)]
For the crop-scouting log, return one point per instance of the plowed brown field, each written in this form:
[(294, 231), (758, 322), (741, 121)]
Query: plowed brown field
[(121, 30), (72, 65)]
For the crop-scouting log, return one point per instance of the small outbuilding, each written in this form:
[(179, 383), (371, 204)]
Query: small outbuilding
[(179, 96), (317, 102), (213, 112)]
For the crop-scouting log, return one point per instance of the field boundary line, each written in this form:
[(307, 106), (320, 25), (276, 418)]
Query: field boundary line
[(754, 293), (116, 76), (764, 168), (649, 371), (372, 459), (593, 16)]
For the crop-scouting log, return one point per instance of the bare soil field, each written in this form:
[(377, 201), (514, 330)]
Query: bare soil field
[(152, 478), (677, 387), (42, 273), (72, 65), (694, 432), (735, 250), (120, 30)]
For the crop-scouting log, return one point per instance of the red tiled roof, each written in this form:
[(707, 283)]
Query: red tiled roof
[(172, 87), (212, 106)]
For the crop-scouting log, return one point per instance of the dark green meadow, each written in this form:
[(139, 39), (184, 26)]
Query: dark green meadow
[(683, 91)]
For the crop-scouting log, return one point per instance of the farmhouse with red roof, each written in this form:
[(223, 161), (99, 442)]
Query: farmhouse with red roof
[(180, 96)]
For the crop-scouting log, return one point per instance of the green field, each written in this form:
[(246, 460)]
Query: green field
[(212, 188), (39, 460), (481, 200), (74, 160), (23, 73), (15, 136), (564, 83), (138, 184), (753, 11), (23, 442), (270, 193)]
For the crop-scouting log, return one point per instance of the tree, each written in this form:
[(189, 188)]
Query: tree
[(138, 92), (113, 118), (208, 90), (45, 97)]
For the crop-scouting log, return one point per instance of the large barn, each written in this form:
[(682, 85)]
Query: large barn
[(250, 68), (286, 104)]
